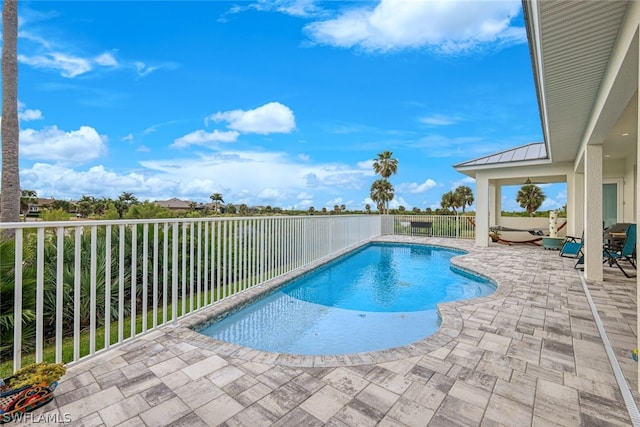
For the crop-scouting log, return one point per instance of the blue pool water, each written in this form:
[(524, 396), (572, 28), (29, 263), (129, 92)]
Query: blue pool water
[(379, 297)]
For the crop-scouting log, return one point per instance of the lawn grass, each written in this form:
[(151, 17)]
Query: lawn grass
[(49, 349)]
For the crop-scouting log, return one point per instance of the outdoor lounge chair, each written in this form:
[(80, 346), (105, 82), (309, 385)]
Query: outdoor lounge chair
[(572, 248), (614, 253)]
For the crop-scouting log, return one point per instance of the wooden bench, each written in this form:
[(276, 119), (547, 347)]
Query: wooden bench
[(417, 225)]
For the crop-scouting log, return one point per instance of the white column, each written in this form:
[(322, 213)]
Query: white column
[(575, 204), (495, 206), (636, 217), (482, 210), (593, 212)]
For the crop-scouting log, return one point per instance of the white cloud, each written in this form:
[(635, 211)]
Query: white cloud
[(269, 118), (54, 144), (128, 137), (28, 115), (143, 69), (300, 8), (415, 188), (439, 120), (331, 203), (467, 180), (35, 38), (443, 26), (366, 164), (69, 66), (397, 202), (45, 54), (66, 183), (106, 60), (201, 137)]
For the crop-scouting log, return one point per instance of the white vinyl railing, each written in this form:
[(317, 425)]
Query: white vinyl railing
[(101, 283), (458, 226), (81, 287)]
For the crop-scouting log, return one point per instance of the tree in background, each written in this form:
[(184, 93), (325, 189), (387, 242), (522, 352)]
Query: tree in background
[(382, 193), (449, 201), (61, 204), (464, 196), (85, 206), (216, 199), (530, 197), (10, 129), (124, 202), (385, 166), (367, 208)]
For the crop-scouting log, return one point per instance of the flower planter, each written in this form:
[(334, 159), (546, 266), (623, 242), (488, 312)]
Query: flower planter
[(16, 402)]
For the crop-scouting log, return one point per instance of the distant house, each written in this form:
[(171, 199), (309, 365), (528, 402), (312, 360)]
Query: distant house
[(174, 204), (221, 207), (39, 205), (45, 203)]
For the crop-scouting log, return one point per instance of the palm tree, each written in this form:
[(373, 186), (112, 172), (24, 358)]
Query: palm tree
[(385, 165), (85, 206), (464, 195), (343, 208), (382, 193), (10, 197), (216, 198), (530, 197), (124, 202), (367, 208), (449, 201)]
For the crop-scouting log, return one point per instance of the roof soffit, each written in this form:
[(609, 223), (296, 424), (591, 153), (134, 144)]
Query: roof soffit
[(576, 40)]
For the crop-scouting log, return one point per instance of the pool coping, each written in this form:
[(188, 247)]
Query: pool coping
[(450, 314)]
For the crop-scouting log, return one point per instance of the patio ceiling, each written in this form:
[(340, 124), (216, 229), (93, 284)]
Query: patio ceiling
[(570, 42)]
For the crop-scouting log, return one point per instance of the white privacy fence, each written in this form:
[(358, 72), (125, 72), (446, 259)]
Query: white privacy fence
[(72, 289)]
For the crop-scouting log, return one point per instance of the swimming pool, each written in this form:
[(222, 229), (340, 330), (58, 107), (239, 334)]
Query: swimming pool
[(378, 297)]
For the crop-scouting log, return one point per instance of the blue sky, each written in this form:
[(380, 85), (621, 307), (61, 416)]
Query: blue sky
[(280, 102)]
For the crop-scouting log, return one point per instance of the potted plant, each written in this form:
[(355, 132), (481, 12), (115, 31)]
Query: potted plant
[(494, 235), (28, 389)]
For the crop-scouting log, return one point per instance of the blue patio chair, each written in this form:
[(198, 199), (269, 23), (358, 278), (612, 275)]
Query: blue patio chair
[(613, 254), (572, 248)]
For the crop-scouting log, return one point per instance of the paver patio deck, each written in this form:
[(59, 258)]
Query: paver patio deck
[(529, 354)]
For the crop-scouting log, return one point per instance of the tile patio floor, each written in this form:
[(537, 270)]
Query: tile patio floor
[(530, 354)]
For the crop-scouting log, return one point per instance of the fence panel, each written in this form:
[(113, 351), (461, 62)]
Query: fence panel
[(82, 287)]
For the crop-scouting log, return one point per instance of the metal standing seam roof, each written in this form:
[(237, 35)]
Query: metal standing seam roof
[(529, 152)]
